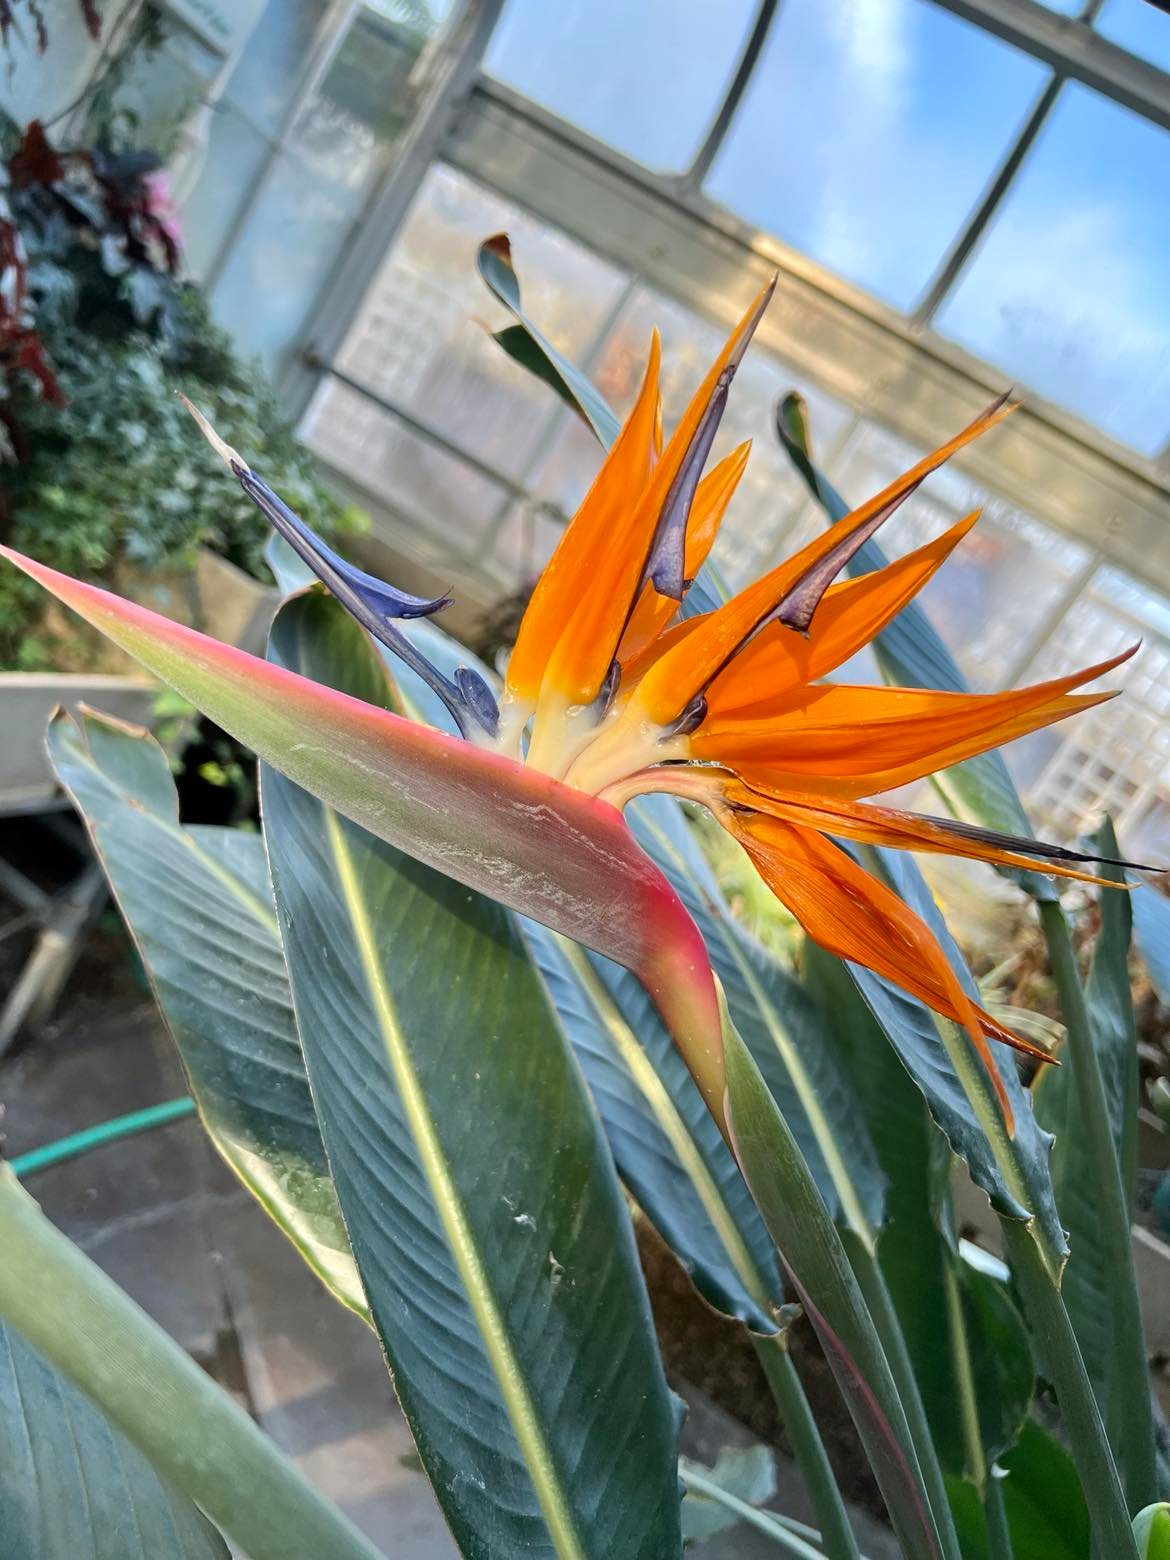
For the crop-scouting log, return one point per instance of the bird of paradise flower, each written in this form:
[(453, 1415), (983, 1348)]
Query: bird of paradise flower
[(610, 693)]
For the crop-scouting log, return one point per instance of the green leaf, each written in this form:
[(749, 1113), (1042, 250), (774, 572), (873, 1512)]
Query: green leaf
[(813, 1254), (198, 903), (481, 1202), (533, 351), (918, 1250), (1013, 1171), (911, 654), (780, 1024), (668, 1150), (1042, 1497), (71, 1485), (1089, 1281), (1000, 1357)]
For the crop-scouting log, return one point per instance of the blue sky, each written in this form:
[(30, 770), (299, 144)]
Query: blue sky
[(868, 134)]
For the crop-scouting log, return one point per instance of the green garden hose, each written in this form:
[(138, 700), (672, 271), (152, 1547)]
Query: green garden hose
[(105, 1132)]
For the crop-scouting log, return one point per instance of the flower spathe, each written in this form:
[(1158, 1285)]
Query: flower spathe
[(610, 694)]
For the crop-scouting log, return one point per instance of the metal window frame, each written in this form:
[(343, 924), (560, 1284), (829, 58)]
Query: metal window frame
[(1045, 460), (666, 233)]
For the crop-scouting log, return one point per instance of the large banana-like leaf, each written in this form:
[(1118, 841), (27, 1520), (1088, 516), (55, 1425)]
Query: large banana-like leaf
[(664, 1140), (481, 1202), (1088, 1276), (499, 827), (73, 1486), (918, 1251), (198, 903)]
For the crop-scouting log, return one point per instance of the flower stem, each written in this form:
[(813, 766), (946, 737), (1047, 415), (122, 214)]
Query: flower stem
[(147, 1386), (810, 1245), (1062, 1362), (889, 1329), (1131, 1416), (999, 1537), (836, 1535)]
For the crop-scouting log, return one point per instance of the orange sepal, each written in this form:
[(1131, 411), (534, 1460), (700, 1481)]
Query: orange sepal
[(856, 741), (596, 527), (850, 616), (855, 917), (688, 671), (890, 826), (610, 578), (653, 612)]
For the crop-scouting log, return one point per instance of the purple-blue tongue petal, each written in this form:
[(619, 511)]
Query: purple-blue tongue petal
[(665, 570), (375, 605), (371, 600), (665, 567)]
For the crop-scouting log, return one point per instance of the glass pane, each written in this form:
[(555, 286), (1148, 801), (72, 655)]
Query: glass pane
[(1068, 289), (346, 129), (317, 188), (1114, 758), (235, 156), (412, 479), (647, 79), (1139, 27), (262, 84), (868, 133), (156, 95), (994, 595), (419, 338)]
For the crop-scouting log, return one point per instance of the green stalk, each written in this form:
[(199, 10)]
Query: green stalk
[(964, 1376), (889, 1329), (795, 1214), (766, 1521), (1061, 1354), (1131, 1419), (999, 1537), (988, 1483), (809, 1450), (144, 1383)]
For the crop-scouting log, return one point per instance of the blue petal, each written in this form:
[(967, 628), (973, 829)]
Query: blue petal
[(665, 566), (376, 605), (371, 600)]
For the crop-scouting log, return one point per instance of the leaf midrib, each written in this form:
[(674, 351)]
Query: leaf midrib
[(554, 1504), (666, 1113)]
